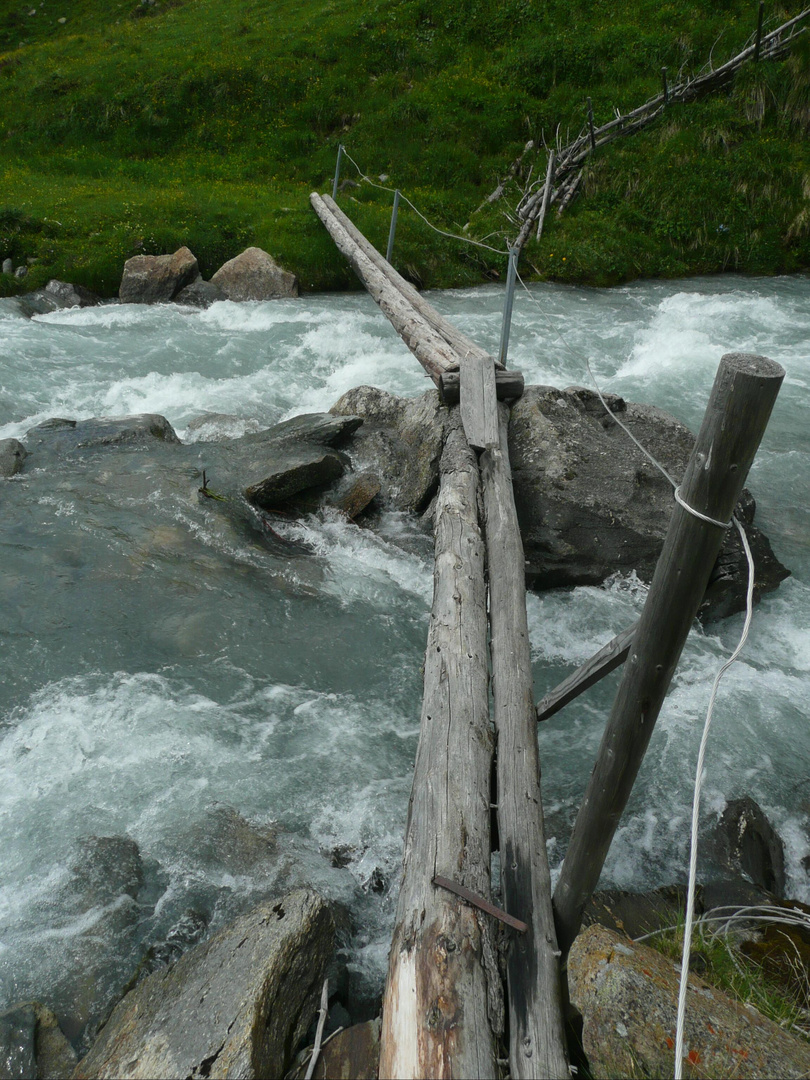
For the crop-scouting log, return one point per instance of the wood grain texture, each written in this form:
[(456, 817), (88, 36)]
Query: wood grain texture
[(454, 337), (441, 1005), (736, 417), (536, 1039), (594, 669), (479, 402), (429, 348), (508, 384)]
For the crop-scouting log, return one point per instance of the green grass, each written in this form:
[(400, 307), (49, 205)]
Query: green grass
[(137, 127)]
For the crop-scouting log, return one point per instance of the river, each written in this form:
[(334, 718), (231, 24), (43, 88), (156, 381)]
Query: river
[(163, 681)]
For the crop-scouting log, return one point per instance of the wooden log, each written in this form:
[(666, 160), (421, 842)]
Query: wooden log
[(454, 337), (508, 384), (443, 1001), (741, 401), (546, 194), (608, 658), (758, 42), (431, 350), (536, 1038), (478, 402), (590, 124)]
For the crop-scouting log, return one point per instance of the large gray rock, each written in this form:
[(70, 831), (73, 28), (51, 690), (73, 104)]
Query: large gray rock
[(70, 296), (749, 844), (628, 997), (12, 456), (234, 1006), (58, 436), (33, 1045), (590, 503), (255, 275), (200, 294), (155, 279), (401, 442)]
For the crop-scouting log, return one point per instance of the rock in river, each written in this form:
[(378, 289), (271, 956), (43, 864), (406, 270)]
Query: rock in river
[(156, 279), (255, 275), (235, 1005)]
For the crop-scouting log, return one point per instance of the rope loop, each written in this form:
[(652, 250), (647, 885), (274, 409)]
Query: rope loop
[(697, 513)]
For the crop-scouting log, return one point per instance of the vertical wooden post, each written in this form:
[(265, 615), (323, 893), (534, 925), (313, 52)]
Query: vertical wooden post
[(337, 171), (665, 85), (506, 325), (758, 44), (389, 251), (536, 1037), (590, 124), (443, 1003), (546, 193), (739, 407)]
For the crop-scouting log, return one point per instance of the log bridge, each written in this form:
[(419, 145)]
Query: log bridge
[(446, 1012)]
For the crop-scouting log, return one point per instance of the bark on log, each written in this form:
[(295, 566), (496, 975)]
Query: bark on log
[(457, 340), (536, 1038), (429, 348), (443, 997)]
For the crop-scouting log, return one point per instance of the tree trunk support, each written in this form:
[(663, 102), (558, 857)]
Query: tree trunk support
[(736, 417)]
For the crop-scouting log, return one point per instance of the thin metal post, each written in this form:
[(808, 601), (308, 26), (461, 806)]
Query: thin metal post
[(511, 274), (665, 85), (389, 251), (337, 171), (590, 124), (759, 30)]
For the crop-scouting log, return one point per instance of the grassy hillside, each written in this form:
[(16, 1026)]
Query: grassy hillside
[(137, 126)]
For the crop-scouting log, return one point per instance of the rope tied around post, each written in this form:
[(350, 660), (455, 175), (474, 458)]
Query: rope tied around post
[(697, 513)]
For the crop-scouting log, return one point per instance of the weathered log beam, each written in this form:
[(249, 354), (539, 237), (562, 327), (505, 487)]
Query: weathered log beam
[(508, 384), (429, 348), (608, 658), (454, 337), (443, 1003), (536, 1038)]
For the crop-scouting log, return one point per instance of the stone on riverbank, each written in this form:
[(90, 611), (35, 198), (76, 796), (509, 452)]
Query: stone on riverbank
[(236, 1005), (60, 436), (156, 279), (255, 275), (628, 995), (200, 294)]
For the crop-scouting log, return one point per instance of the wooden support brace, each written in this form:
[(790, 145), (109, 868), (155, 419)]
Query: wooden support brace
[(479, 404), (508, 385), (608, 658)]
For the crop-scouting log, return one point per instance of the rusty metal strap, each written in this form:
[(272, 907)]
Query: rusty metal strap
[(480, 902)]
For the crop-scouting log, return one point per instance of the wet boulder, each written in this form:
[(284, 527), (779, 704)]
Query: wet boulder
[(59, 436), (590, 503), (749, 844), (627, 995), (156, 279), (255, 275), (33, 1045), (12, 456), (200, 294), (70, 296), (401, 442), (236, 1005)]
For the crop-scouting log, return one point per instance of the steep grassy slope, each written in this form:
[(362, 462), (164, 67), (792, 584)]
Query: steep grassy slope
[(140, 126)]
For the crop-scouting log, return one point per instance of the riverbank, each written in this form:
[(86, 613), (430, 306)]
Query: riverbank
[(112, 149)]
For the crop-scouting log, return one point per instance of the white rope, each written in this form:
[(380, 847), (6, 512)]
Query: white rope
[(690, 897), (416, 210), (697, 513)]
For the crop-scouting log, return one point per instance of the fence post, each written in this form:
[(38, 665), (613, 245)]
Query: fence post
[(590, 124), (337, 171), (392, 231), (743, 395), (511, 273), (759, 30)]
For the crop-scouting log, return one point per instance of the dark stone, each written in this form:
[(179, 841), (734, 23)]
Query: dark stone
[(590, 503), (235, 1005), (60, 436), (291, 472), (32, 1045), (200, 294), (636, 914), (155, 279), (353, 1054), (104, 868), (751, 845), (12, 456)]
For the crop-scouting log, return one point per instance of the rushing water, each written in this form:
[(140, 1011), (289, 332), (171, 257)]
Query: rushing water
[(165, 680)]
